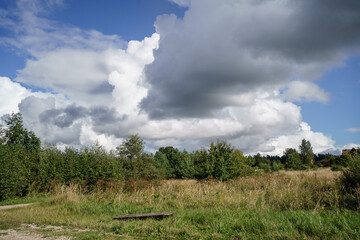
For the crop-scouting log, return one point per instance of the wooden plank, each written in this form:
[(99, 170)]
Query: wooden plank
[(145, 215)]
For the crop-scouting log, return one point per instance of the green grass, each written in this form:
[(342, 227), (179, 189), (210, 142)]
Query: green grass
[(28, 199), (214, 223), (271, 206)]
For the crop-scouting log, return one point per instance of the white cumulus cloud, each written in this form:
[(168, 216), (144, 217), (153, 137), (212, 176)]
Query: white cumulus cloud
[(301, 91), (11, 94)]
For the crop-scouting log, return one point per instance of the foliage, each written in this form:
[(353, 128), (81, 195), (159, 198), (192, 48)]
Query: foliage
[(136, 164), (13, 173), (131, 148), (260, 160), (226, 161), (292, 159), (19, 158), (336, 168), (306, 152), (177, 164), (276, 166), (341, 160), (220, 154), (16, 135), (265, 166), (203, 164), (350, 180), (163, 165)]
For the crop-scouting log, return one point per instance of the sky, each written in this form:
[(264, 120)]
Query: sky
[(262, 75)]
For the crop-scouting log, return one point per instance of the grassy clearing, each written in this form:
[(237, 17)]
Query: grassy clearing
[(285, 205), (28, 199)]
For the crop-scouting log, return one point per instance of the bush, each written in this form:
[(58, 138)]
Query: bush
[(336, 168), (265, 166), (13, 182), (350, 180), (276, 166), (292, 159)]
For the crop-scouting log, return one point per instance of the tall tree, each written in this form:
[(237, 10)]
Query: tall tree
[(17, 135), (131, 148), (306, 152), (134, 161)]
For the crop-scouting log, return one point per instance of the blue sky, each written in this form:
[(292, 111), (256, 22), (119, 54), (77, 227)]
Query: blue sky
[(183, 75), (340, 113)]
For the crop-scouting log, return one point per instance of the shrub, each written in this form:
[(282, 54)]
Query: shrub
[(341, 160), (13, 182), (292, 159), (350, 180), (276, 166), (336, 168), (265, 166)]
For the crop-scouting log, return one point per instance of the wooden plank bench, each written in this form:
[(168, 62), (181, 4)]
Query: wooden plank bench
[(160, 215)]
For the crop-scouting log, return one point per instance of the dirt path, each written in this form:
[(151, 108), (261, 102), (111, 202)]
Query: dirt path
[(23, 233), (11, 234), (15, 206)]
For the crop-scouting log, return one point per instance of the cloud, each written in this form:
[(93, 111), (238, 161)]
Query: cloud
[(351, 145), (301, 91), (319, 141), (353, 130), (36, 35), (11, 94), (63, 117), (55, 131), (215, 74), (226, 48)]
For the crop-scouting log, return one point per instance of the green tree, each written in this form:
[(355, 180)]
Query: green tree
[(220, 153), (162, 163), (187, 165), (240, 166), (260, 160), (173, 155), (135, 162), (203, 164), (306, 152), (16, 135), (13, 172), (292, 158), (131, 148)]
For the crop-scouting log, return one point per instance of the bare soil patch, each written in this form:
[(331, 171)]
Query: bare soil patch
[(12, 234)]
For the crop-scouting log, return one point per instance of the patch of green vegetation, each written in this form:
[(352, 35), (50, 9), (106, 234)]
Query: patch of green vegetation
[(5, 225), (28, 199)]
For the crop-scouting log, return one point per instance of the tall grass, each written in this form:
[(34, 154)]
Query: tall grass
[(295, 190), (282, 205)]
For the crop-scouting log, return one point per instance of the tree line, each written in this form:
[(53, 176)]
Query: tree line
[(28, 166)]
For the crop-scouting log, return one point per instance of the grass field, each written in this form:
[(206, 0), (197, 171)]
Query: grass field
[(283, 205)]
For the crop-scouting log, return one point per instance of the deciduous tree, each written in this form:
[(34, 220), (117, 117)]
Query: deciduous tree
[(306, 152)]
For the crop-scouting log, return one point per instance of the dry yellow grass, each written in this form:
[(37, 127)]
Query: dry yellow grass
[(282, 190)]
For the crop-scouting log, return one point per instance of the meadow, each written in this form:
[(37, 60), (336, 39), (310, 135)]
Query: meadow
[(277, 205)]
